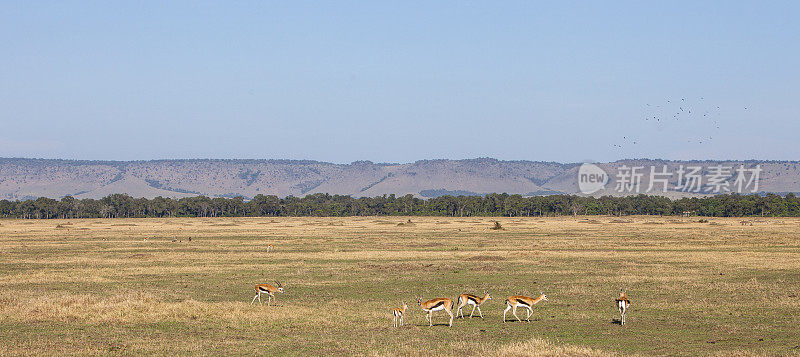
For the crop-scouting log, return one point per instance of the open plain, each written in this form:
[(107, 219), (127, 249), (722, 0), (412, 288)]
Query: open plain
[(184, 285)]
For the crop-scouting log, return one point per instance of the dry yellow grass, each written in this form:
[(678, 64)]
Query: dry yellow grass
[(140, 286)]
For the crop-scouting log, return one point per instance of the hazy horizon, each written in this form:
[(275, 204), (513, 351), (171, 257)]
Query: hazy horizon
[(392, 163), (400, 82)]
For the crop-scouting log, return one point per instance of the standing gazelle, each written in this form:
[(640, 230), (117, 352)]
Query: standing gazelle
[(269, 290), (469, 299), (437, 304), (398, 313), (622, 305), (523, 301)]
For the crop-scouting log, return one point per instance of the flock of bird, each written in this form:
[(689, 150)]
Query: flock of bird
[(703, 118), (447, 304)]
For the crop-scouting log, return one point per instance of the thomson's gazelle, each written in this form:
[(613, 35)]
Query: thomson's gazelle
[(622, 305), (522, 301), (398, 313), (468, 299), (269, 290), (435, 305)]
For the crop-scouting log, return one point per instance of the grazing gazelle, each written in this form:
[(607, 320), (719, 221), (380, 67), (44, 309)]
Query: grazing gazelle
[(269, 247), (523, 301), (398, 313), (622, 305), (269, 290), (435, 305), (468, 299)]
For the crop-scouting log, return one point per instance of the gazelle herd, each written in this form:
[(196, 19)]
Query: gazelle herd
[(447, 305)]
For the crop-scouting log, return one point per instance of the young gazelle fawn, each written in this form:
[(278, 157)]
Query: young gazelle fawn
[(622, 305), (475, 301), (269, 290), (398, 314), (435, 305), (522, 301)]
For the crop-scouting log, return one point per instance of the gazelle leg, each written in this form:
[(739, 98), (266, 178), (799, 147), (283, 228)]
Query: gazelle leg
[(473, 310), (515, 313), (451, 317), (401, 321), (479, 311), (259, 299), (530, 312), (254, 299), (508, 307), (430, 319)]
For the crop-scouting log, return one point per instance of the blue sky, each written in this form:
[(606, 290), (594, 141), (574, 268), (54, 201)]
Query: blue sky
[(398, 81)]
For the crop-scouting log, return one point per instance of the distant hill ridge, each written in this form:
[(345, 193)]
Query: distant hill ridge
[(22, 178)]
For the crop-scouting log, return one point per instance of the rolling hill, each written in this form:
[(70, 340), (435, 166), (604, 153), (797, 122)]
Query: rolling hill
[(30, 178)]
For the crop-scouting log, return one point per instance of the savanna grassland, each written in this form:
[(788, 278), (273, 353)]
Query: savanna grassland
[(140, 286)]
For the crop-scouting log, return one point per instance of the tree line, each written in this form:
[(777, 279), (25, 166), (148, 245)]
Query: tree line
[(122, 206)]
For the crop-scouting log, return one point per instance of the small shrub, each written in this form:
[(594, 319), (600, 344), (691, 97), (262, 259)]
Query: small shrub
[(702, 221), (497, 226), (409, 223)]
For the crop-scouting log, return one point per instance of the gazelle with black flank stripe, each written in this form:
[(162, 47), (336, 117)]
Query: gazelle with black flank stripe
[(398, 314), (622, 305), (522, 301), (475, 301), (269, 290), (436, 305)]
